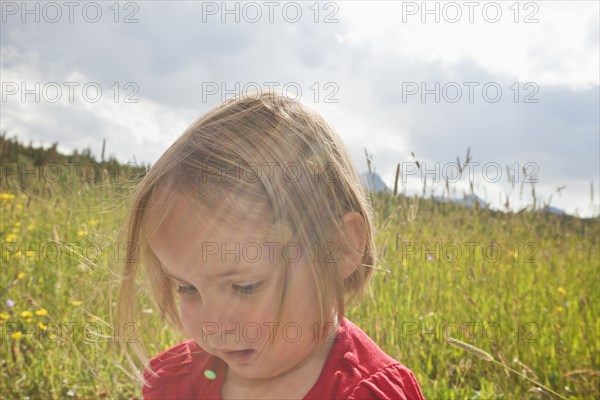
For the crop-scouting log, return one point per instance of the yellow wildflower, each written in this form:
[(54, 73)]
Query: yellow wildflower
[(17, 224), (4, 315), (81, 233), (76, 303), (41, 312), (20, 275), (42, 326), (30, 253), (17, 335), (10, 237), (561, 290), (559, 309), (19, 206), (26, 314), (6, 196)]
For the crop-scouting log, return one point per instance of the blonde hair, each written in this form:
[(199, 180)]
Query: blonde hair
[(315, 188)]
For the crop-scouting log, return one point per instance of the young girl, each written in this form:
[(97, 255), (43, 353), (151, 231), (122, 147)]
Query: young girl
[(255, 232)]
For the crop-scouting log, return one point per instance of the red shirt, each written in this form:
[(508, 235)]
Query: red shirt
[(356, 368)]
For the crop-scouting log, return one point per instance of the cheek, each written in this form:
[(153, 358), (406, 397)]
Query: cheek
[(304, 289), (191, 317)]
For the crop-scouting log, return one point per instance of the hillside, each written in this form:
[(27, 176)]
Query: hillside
[(520, 286)]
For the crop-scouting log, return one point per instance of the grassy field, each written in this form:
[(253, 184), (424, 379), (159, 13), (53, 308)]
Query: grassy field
[(524, 288)]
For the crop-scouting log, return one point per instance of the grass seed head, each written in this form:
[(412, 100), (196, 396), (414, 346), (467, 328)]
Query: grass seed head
[(471, 349)]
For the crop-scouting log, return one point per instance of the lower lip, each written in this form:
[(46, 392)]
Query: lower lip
[(242, 355)]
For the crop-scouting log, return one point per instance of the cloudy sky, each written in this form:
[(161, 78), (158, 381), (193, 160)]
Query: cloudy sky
[(517, 83)]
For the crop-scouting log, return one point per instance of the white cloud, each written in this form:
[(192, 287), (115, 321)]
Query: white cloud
[(557, 50)]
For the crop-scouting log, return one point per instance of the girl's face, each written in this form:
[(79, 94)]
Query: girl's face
[(226, 281)]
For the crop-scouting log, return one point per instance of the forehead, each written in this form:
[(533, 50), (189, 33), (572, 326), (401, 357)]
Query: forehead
[(220, 239)]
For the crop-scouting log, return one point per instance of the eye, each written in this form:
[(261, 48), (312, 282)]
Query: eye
[(248, 289), (187, 290)]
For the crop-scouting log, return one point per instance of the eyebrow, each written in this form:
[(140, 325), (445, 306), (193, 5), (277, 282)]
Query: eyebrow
[(222, 275)]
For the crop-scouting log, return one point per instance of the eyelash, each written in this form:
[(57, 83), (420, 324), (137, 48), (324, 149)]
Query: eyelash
[(248, 289), (243, 290), (187, 290)]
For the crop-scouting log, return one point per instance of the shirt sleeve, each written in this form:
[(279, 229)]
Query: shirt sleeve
[(394, 383), (173, 368)]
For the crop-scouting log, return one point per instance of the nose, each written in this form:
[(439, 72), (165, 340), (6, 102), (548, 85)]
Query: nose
[(218, 319), (223, 328)]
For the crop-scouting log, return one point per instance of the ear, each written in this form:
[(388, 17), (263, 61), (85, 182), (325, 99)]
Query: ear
[(355, 229)]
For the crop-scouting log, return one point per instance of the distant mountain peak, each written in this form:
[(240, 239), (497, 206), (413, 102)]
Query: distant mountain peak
[(373, 182), (553, 210)]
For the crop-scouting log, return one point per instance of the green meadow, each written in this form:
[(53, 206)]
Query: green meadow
[(522, 287)]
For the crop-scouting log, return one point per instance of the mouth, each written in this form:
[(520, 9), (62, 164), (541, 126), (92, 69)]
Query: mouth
[(238, 355)]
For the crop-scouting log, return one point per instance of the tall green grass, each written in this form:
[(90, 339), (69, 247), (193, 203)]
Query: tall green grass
[(534, 307)]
